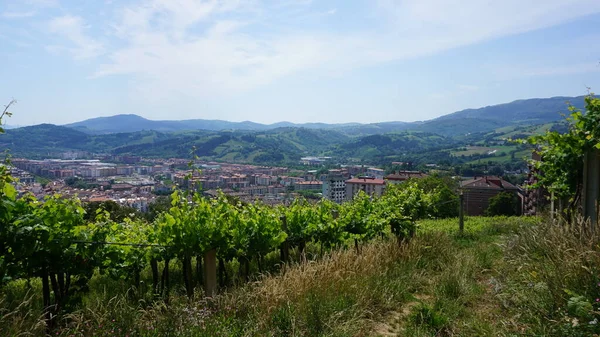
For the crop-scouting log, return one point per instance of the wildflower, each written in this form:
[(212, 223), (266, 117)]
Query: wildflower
[(593, 322), (597, 299)]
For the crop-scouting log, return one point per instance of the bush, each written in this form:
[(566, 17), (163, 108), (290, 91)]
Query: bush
[(504, 203)]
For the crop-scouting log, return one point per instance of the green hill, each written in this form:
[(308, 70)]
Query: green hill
[(44, 139), (282, 145)]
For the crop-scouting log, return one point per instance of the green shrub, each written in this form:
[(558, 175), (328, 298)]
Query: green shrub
[(504, 203)]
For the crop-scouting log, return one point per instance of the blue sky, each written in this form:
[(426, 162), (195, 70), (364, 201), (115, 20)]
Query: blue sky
[(290, 60)]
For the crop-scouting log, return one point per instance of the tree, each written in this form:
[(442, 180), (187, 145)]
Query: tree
[(496, 171), (504, 203), (159, 205), (561, 168), (444, 195), (117, 212)]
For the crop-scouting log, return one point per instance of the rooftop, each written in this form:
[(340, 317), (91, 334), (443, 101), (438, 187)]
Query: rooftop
[(404, 175), (366, 180), (487, 182)]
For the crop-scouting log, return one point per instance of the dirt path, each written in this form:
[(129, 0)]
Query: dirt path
[(395, 322)]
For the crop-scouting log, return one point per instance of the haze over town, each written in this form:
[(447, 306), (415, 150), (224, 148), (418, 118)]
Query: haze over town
[(293, 60)]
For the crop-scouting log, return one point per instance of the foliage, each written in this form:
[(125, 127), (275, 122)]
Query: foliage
[(160, 205), (561, 167), (444, 195), (310, 194), (116, 212), (77, 182), (386, 290), (504, 203)]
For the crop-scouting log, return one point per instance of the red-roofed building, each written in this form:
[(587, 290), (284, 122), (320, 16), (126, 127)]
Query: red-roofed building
[(479, 190), (401, 176), (369, 185)]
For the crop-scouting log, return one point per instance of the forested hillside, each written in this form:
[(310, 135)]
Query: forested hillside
[(283, 145)]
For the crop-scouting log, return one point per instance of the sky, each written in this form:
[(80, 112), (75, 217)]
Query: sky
[(267, 61)]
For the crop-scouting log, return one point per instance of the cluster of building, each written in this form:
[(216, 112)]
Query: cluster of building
[(85, 168), (136, 181), (341, 185), (127, 189)]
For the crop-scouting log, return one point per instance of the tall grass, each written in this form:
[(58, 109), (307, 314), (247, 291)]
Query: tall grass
[(547, 266)]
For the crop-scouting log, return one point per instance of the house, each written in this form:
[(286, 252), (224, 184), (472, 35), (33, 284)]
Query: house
[(401, 176), (370, 185), (479, 190)]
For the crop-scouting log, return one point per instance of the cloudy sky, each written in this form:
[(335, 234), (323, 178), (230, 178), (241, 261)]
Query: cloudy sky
[(290, 60)]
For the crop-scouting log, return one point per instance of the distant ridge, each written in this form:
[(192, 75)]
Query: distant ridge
[(519, 112), (8, 126), (133, 123)]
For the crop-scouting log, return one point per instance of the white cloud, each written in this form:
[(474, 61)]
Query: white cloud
[(423, 27), (73, 29), (213, 47)]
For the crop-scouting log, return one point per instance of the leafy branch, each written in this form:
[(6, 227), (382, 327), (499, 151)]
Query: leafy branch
[(6, 113)]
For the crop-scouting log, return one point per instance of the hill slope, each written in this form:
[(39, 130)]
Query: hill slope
[(521, 112), (282, 145), (35, 141)]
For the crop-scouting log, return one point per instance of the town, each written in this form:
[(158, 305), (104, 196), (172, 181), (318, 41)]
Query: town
[(136, 182)]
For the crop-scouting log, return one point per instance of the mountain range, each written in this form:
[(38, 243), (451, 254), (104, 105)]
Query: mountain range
[(520, 112), (132, 123)]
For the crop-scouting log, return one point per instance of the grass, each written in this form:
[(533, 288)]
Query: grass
[(519, 155), (501, 277), (471, 150)]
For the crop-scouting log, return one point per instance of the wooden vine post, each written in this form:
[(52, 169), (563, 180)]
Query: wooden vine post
[(210, 272), (461, 213), (284, 248), (591, 186)]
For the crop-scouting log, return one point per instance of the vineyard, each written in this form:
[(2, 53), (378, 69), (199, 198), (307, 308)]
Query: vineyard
[(50, 241)]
